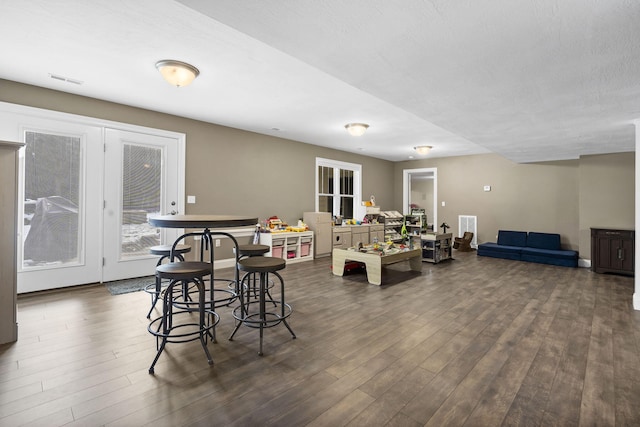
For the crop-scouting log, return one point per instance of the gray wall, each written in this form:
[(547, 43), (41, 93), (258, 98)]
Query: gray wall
[(607, 193), (565, 197), (228, 170), (237, 172)]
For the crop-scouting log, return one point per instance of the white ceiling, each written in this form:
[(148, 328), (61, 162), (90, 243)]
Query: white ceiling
[(531, 80)]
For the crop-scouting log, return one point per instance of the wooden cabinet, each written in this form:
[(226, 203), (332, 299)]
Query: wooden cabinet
[(346, 236), (8, 246), (341, 236), (376, 231), (436, 247), (359, 234), (293, 246), (320, 224), (612, 251)]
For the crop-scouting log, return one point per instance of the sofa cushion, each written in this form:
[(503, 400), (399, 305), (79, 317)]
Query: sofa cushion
[(545, 256), (543, 241), (494, 250), (550, 254), (512, 238)]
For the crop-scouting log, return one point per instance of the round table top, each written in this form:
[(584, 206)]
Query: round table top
[(202, 221)]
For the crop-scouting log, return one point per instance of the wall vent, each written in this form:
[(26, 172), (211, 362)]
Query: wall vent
[(469, 223), (65, 79)]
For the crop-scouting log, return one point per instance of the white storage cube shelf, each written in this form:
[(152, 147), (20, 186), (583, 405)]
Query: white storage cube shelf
[(291, 246)]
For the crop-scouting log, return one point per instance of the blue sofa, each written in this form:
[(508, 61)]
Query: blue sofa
[(542, 248)]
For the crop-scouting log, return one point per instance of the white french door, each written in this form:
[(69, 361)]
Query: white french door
[(141, 179), (86, 187), (59, 225)]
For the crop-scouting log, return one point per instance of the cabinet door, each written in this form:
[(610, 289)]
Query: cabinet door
[(341, 239), (614, 254), (604, 252), (361, 236), (624, 254)]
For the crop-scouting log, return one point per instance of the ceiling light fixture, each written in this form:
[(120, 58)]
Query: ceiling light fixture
[(356, 129), (423, 149), (177, 73)]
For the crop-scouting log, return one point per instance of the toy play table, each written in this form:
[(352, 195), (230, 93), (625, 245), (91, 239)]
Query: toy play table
[(374, 261)]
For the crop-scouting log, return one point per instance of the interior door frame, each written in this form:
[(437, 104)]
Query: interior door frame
[(406, 190)]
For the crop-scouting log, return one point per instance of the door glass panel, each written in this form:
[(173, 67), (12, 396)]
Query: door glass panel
[(52, 184), (141, 197)]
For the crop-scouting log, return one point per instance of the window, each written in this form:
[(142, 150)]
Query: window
[(338, 188), (52, 206)]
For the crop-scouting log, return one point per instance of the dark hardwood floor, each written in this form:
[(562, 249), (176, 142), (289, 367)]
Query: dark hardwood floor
[(474, 341)]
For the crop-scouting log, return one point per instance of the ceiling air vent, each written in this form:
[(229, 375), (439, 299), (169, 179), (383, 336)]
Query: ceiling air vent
[(66, 79)]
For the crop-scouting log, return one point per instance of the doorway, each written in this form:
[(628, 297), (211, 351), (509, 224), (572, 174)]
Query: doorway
[(85, 189), (420, 190)]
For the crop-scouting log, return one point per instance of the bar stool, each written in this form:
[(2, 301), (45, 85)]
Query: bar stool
[(164, 251), (217, 296), (246, 313), (251, 250), (167, 328)]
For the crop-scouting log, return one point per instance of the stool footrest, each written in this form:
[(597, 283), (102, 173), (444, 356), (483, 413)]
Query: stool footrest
[(267, 319), (182, 332)]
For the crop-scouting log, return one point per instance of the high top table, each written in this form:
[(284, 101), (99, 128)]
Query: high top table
[(202, 221), (210, 225)]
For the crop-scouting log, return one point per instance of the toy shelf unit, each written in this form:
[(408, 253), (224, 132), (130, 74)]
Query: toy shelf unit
[(393, 221), (436, 247), (416, 222), (290, 246)]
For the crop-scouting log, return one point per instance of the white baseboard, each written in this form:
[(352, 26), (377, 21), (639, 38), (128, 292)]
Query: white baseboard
[(585, 263)]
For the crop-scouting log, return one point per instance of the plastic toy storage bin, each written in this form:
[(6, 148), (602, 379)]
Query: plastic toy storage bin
[(277, 248), (305, 249), (292, 250)]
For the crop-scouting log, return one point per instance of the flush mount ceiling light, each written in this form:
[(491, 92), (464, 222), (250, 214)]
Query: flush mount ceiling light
[(423, 149), (177, 73), (356, 129)]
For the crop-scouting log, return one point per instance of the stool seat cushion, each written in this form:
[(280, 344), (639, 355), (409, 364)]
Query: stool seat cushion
[(165, 250), (183, 270), (253, 250), (261, 264)]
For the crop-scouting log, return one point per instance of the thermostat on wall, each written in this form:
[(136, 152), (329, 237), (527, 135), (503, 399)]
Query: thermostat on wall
[(487, 188)]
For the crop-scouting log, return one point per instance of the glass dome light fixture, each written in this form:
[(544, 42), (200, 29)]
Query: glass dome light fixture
[(423, 149), (356, 129), (177, 73)]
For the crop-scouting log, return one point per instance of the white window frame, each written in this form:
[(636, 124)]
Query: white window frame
[(357, 184)]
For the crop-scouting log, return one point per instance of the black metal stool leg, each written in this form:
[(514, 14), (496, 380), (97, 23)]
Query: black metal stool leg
[(164, 324), (243, 308), (282, 307), (203, 332)]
